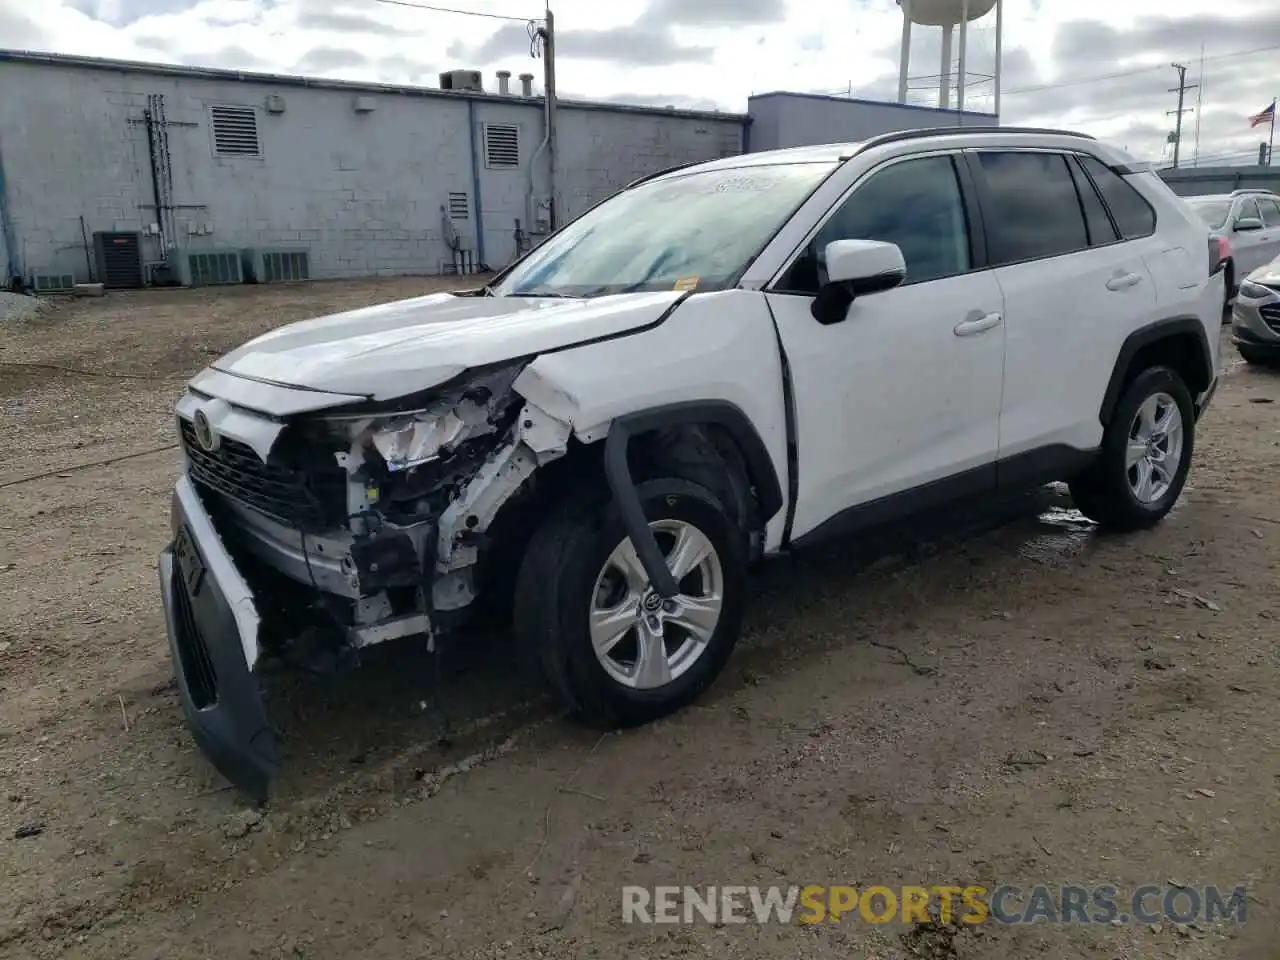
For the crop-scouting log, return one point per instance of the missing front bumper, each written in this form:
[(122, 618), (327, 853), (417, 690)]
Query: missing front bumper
[(213, 640)]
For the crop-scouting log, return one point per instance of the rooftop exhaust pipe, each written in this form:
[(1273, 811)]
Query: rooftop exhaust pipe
[(504, 82), (526, 84)]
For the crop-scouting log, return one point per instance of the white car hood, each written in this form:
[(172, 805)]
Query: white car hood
[(394, 349), (1268, 273)]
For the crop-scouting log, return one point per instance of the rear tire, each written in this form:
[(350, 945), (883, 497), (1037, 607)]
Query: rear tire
[(1145, 456), (581, 590)]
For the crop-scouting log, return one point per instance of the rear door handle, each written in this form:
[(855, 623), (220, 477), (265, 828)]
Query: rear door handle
[(1123, 281), (977, 322)]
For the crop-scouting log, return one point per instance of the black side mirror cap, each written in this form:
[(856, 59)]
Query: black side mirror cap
[(832, 303)]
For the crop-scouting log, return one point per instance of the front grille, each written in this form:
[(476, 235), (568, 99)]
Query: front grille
[(197, 665), (1271, 315), (304, 500)]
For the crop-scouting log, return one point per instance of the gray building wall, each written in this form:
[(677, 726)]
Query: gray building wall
[(1199, 181), (805, 119), (363, 191)]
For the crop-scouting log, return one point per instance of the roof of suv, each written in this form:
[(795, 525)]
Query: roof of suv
[(833, 152)]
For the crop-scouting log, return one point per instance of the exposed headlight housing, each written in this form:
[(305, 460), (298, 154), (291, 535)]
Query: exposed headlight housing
[(408, 442)]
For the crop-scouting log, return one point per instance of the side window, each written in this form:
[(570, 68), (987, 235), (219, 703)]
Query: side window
[(916, 204), (1270, 212), (1132, 213), (1035, 211), (1247, 210), (1101, 229)]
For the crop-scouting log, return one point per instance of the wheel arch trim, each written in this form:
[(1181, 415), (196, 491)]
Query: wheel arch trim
[(1144, 337), (722, 413)]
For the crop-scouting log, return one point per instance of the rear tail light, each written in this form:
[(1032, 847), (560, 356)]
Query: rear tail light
[(1219, 253)]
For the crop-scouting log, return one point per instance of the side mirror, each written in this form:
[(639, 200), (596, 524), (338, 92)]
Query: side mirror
[(1248, 223), (856, 268)]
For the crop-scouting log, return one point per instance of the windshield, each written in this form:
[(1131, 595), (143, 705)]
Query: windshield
[(696, 231), (1212, 212)]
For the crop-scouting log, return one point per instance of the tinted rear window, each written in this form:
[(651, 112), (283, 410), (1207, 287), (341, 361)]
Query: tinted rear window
[(1035, 210)]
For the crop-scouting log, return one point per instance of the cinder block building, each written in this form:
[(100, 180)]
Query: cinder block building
[(134, 173)]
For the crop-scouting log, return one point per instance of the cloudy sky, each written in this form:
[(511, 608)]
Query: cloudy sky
[(1076, 63)]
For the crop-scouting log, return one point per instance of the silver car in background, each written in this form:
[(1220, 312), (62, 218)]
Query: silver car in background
[(1255, 319), (1249, 222)]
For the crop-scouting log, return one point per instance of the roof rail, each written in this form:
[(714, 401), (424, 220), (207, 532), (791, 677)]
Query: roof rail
[(1248, 191), (661, 173), (963, 131)]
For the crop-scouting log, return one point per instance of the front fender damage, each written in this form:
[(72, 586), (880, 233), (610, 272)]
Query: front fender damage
[(537, 439)]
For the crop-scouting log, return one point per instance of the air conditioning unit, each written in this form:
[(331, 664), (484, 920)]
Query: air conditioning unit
[(119, 259), (206, 268), (53, 282), (275, 264), (462, 80)]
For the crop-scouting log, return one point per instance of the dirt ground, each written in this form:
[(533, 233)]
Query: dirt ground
[(1012, 699)]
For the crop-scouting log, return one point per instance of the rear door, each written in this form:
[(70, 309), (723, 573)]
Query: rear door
[(1074, 287)]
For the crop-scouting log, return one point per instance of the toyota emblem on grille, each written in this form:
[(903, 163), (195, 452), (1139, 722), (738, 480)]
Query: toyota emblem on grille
[(205, 435)]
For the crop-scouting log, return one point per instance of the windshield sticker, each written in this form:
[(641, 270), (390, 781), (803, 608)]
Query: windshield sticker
[(687, 283)]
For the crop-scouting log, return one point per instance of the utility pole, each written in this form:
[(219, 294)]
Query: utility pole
[(549, 91), (1181, 90), (1199, 112)]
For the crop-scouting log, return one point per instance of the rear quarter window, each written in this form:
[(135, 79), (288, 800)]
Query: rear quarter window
[(1134, 217)]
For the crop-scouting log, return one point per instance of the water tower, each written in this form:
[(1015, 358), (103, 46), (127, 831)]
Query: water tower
[(948, 14)]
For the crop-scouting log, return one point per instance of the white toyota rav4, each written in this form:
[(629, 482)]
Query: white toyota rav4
[(719, 363)]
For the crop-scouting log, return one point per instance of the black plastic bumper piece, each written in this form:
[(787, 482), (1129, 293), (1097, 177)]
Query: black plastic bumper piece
[(220, 695), (1268, 348)]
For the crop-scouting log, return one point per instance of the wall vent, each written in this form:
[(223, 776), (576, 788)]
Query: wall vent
[(501, 146), (207, 268), (119, 259), (53, 282), (276, 264), (459, 208), (235, 131)]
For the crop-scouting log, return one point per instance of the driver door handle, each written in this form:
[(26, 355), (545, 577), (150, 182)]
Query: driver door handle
[(977, 322), (1123, 281)]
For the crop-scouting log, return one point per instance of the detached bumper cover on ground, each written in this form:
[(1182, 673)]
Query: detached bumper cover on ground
[(212, 625)]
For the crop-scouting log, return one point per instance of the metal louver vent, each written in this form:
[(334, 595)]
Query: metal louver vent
[(235, 131), (203, 268), (459, 209), (501, 146), (285, 266)]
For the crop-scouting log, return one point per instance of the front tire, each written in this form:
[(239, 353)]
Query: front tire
[(1145, 457), (614, 653)]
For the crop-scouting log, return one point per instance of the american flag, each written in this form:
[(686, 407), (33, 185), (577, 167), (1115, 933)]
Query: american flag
[(1266, 116)]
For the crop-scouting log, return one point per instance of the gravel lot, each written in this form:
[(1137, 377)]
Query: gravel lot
[(1010, 699)]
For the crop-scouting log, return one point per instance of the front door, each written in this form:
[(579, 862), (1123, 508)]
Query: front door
[(906, 390), (1270, 210), (1248, 247)]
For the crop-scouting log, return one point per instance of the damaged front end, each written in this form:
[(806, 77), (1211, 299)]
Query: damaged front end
[(303, 538)]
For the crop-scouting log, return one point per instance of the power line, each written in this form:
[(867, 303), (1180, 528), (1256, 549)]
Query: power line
[(465, 13), (1137, 71), (1099, 78)]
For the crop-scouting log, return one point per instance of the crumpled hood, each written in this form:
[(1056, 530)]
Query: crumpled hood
[(394, 349)]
